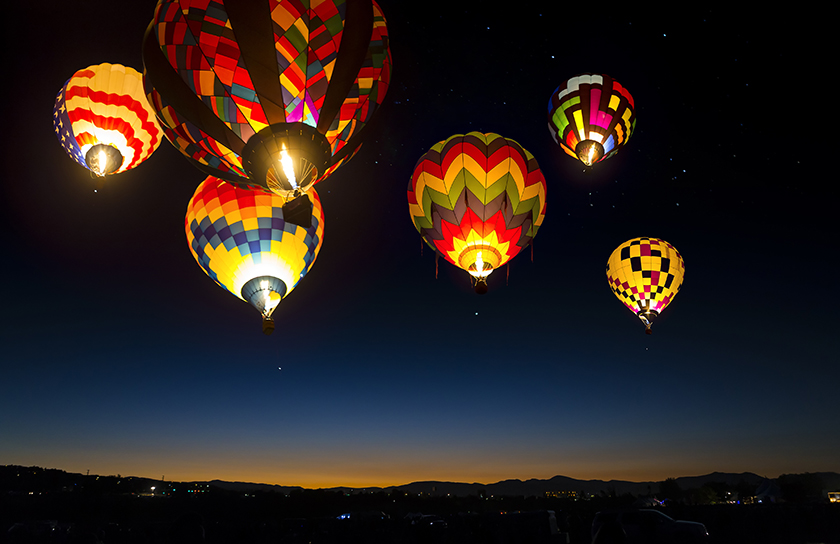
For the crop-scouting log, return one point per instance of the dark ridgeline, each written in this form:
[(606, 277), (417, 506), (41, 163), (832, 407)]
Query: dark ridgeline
[(43, 505)]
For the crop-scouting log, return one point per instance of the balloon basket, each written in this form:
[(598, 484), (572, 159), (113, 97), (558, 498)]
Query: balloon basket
[(268, 326)]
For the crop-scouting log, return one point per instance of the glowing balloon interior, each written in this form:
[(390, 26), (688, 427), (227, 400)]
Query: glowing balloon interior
[(103, 121), (240, 238), (591, 116), (478, 200), (645, 274), (235, 83)]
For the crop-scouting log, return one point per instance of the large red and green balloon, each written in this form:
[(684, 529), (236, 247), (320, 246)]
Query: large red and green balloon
[(478, 200), (236, 83)]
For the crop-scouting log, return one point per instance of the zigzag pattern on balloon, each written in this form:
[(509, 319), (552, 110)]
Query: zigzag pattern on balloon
[(478, 191), (471, 216), (481, 172)]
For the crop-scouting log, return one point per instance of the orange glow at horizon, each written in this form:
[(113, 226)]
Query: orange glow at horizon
[(369, 471)]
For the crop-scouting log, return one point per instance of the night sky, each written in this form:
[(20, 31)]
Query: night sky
[(119, 355)]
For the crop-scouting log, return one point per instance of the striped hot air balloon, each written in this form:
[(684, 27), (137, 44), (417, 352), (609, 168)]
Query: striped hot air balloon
[(591, 116), (241, 239), (103, 121), (478, 200), (267, 94), (646, 274)]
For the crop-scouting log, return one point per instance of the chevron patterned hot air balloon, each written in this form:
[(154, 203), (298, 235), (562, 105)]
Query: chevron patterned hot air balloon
[(478, 200), (240, 238), (591, 116), (645, 274), (267, 94), (103, 121)]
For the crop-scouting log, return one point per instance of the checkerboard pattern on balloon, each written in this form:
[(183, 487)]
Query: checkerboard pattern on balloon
[(645, 272), (238, 234)]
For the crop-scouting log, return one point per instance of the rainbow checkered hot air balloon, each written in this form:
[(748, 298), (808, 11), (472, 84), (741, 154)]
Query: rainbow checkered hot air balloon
[(591, 116), (240, 238), (271, 94), (478, 200), (646, 274), (103, 121)]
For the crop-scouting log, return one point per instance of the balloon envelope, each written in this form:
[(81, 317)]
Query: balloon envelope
[(235, 83), (645, 274), (591, 116), (478, 200), (103, 108), (240, 239)]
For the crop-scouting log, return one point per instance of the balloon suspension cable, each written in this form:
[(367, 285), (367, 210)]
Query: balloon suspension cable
[(437, 254), (507, 273)]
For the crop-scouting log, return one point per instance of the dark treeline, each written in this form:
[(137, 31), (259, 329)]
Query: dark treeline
[(38, 505)]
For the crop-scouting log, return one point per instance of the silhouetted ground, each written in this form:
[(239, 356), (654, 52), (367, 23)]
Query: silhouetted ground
[(49, 505), (90, 515)]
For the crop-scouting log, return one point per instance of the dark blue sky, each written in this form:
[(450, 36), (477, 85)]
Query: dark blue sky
[(119, 355)]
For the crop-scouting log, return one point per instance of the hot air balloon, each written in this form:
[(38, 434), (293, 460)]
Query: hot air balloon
[(591, 116), (103, 121), (240, 238), (646, 274), (267, 94), (478, 200)]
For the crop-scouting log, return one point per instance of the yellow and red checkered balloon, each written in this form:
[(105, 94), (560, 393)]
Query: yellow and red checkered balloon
[(645, 274)]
